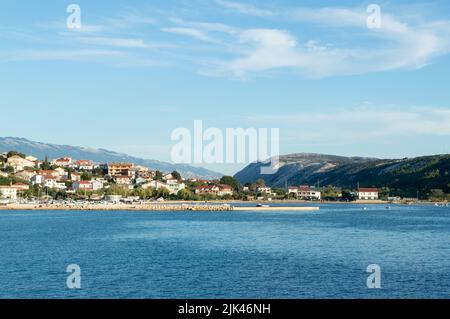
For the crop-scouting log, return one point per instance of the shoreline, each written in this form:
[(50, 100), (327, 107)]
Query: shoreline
[(191, 206), (150, 207)]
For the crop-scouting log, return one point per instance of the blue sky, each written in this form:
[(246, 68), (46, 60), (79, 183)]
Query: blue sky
[(136, 70)]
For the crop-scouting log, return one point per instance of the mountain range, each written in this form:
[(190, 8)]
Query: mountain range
[(40, 150), (402, 176)]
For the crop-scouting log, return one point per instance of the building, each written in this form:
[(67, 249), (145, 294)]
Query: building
[(142, 172), (120, 169), (214, 190), (50, 173), (8, 192), (207, 190), (113, 198), (368, 193), (124, 180), (82, 185), (174, 186), (62, 162), (155, 184), (54, 184), (19, 163), (167, 176), (85, 165), (25, 175), (37, 179), (96, 185), (225, 190), (264, 190), (305, 192), (75, 177), (21, 186), (31, 158)]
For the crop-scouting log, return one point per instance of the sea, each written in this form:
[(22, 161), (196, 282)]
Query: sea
[(341, 251)]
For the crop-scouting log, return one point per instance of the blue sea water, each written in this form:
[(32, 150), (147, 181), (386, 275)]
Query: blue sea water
[(321, 254)]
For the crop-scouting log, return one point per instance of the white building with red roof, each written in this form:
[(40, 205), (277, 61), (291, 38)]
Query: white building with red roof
[(62, 162), (368, 193)]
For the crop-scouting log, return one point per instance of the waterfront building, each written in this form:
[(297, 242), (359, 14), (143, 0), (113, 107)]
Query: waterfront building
[(225, 190), (8, 192), (21, 186), (174, 186), (82, 185), (215, 190), (264, 190), (53, 183), (305, 192), (368, 193), (155, 184)]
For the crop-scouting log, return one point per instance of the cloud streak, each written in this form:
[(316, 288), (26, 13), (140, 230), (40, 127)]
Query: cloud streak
[(396, 45)]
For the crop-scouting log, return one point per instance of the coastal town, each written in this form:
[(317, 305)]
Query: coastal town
[(24, 178)]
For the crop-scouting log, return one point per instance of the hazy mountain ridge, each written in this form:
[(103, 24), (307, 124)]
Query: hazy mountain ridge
[(40, 150), (409, 174)]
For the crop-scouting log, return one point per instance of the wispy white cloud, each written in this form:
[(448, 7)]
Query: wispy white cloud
[(400, 46), (191, 32), (244, 8), (124, 43), (207, 26), (241, 51)]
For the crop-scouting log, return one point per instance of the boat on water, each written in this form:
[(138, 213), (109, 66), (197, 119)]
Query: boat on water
[(261, 205)]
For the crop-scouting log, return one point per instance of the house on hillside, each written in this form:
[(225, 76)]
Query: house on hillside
[(120, 169), (85, 165), (62, 162), (19, 163)]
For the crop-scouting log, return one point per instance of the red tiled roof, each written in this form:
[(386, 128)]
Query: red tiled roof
[(368, 190)]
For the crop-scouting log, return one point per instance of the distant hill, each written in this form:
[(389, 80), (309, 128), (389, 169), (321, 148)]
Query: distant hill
[(40, 150), (402, 176)]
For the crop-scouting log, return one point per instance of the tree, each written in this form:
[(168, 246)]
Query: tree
[(437, 195), (331, 193), (260, 183), (231, 181), (8, 169), (158, 176), (46, 164), (117, 190), (85, 176), (177, 176), (15, 153), (184, 194), (348, 195)]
